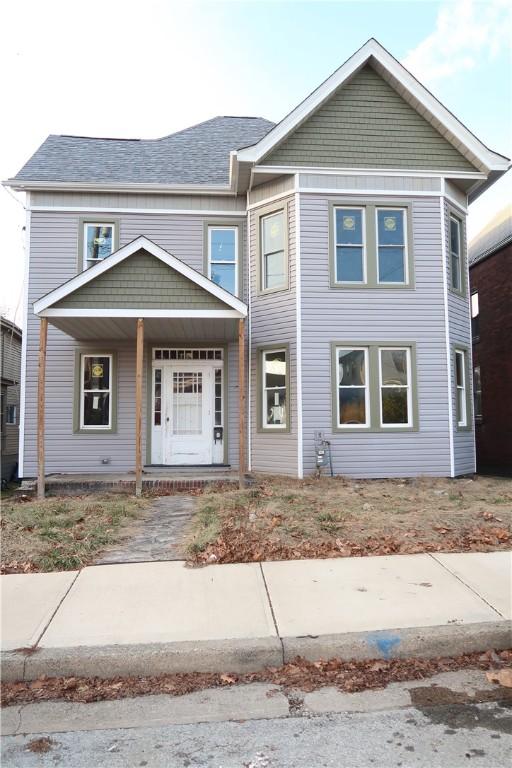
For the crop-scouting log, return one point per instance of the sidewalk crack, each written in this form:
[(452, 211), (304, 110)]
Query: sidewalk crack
[(66, 593), (272, 612), (468, 586)]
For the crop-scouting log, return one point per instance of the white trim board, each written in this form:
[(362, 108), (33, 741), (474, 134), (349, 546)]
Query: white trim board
[(120, 255), (280, 170), (298, 322), (24, 340), (172, 211), (444, 263), (374, 50), (144, 313)]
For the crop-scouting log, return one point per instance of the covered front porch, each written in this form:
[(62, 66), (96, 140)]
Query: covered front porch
[(182, 330)]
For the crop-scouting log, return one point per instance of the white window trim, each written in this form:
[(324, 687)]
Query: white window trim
[(83, 391), (408, 386), (462, 418), (224, 261), (358, 245), (284, 285), (367, 422), (458, 222), (264, 390), (15, 411), (88, 262), (378, 208)]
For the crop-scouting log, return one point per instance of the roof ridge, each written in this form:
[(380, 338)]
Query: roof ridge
[(210, 120)]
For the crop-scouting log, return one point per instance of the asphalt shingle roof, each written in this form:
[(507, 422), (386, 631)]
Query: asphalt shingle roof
[(196, 155)]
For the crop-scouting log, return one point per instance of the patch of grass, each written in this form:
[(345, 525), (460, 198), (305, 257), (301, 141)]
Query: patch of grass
[(60, 534), (206, 529)]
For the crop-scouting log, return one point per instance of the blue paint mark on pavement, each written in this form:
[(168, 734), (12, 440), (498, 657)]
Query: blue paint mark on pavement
[(384, 643)]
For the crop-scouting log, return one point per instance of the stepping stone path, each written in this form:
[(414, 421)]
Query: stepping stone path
[(158, 535)]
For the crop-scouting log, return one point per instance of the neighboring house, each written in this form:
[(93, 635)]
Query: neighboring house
[(328, 252), (490, 275), (10, 364)]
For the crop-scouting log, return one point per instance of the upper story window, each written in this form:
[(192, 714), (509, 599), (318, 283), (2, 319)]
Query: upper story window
[(475, 317), (350, 262), (273, 251), (10, 415), (391, 245), (455, 254), (98, 241), (371, 246), (223, 257)]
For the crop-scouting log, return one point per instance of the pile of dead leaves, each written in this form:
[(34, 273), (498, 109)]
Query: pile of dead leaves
[(241, 545), (350, 676)]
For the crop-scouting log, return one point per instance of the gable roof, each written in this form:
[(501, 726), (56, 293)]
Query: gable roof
[(196, 155), (54, 302), (407, 86), (493, 237)]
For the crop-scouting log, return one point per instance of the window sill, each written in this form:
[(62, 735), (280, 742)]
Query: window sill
[(373, 430), (81, 431), (372, 286)]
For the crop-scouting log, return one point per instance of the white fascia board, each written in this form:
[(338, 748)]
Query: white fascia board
[(280, 170), (84, 186), (155, 250), (144, 313), (373, 49)]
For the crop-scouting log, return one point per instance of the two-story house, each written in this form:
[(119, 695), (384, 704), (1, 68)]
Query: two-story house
[(222, 294)]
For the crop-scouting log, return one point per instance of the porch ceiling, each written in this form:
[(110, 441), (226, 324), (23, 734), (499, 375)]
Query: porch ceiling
[(155, 328)]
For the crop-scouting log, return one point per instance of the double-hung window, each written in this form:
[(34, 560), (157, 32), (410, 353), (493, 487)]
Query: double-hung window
[(96, 392), (223, 257), (352, 385), (273, 265), (455, 255), (371, 246), (391, 246), (477, 392), (274, 389), (350, 261), (10, 415), (395, 386), (475, 317), (98, 241), (461, 388)]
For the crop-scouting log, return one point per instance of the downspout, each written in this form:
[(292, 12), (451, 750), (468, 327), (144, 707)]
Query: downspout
[(298, 321), (446, 324), (249, 340)]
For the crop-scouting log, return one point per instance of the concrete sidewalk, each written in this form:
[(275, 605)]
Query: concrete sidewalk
[(152, 618)]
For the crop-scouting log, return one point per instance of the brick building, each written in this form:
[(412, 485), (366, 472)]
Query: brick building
[(490, 262)]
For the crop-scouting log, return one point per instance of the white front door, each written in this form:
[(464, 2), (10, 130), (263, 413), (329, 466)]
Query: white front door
[(188, 414)]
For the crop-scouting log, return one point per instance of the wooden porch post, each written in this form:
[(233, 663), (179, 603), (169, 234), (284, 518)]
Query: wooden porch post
[(138, 407), (241, 402), (43, 338)]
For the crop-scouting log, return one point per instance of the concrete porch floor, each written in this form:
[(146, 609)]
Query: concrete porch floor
[(153, 478)]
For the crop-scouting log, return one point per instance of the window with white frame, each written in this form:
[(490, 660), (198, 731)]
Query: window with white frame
[(353, 408), (96, 391), (391, 245), (274, 389), (395, 386), (350, 256), (223, 257), (455, 254), (475, 317), (461, 388), (99, 238), (10, 415), (274, 266)]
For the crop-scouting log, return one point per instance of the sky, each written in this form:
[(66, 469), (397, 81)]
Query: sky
[(143, 70)]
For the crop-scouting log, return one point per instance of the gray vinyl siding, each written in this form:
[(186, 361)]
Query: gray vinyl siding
[(272, 188), (372, 315), (367, 124), (53, 258), (392, 184), (459, 324), (273, 321), (457, 194), (118, 200)]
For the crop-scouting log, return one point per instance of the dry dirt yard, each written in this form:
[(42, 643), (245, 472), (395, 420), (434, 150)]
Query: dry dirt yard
[(62, 533), (281, 518)]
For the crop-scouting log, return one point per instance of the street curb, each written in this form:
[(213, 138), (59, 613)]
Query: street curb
[(253, 655), (414, 642), (237, 655)]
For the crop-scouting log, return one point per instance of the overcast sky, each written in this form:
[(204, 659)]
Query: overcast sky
[(147, 69)]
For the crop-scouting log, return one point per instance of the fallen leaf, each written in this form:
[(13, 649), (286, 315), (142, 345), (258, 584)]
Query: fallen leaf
[(501, 676)]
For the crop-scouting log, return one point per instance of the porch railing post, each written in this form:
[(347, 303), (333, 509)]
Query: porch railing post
[(241, 403), (138, 407), (41, 384)]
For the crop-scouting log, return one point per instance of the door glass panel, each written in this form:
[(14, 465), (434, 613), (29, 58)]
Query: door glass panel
[(187, 409)]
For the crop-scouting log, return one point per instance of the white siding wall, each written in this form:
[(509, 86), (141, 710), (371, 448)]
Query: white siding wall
[(373, 315)]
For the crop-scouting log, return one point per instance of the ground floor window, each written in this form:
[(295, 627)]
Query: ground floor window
[(96, 392), (373, 387), (274, 388), (461, 389)]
